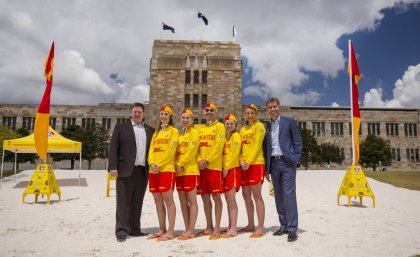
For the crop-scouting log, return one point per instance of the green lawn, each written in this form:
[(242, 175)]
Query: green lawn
[(404, 179)]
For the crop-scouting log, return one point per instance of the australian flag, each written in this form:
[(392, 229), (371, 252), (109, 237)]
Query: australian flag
[(166, 27), (200, 15)]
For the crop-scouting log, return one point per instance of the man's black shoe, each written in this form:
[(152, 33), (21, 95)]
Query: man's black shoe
[(280, 232), (292, 236), (137, 234), (121, 238)]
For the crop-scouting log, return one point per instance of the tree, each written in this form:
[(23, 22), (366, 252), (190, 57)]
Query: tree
[(22, 158), (373, 150), (6, 134), (94, 143), (72, 132), (310, 149), (330, 153)]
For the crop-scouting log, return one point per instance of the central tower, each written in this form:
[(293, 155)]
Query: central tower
[(188, 74)]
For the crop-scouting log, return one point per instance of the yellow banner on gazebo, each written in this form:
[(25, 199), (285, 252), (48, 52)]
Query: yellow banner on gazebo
[(56, 144)]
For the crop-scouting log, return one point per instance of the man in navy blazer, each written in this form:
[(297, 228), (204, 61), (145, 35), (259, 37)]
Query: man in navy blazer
[(282, 153), (129, 148)]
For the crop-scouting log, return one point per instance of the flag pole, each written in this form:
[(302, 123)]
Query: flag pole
[(351, 105)]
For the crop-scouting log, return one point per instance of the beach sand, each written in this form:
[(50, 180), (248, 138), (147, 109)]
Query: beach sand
[(82, 223)]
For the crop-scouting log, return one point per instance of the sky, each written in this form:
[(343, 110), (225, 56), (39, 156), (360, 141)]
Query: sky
[(294, 50)]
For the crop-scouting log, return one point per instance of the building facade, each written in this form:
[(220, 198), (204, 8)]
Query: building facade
[(329, 124)]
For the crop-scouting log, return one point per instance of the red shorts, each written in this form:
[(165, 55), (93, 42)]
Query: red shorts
[(187, 183), (254, 175), (211, 182), (233, 179), (161, 182)]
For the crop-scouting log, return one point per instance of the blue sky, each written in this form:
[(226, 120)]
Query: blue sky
[(295, 50), (384, 54)]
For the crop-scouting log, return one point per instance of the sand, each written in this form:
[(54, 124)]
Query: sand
[(82, 223)]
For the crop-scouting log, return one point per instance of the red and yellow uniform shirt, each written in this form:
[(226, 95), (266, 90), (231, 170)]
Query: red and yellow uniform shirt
[(187, 152), (163, 149), (252, 138), (232, 152), (212, 140)]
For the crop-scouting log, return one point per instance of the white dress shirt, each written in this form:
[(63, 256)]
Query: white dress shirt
[(140, 134), (275, 144)]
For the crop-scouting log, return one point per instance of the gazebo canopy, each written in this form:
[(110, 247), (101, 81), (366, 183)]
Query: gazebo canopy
[(56, 144)]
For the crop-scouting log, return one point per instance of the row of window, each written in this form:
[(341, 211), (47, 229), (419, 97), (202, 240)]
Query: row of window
[(410, 153), (337, 128), (29, 122), (195, 102), (196, 78)]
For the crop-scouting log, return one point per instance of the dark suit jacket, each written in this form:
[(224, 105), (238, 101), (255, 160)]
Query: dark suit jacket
[(290, 142), (122, 151)]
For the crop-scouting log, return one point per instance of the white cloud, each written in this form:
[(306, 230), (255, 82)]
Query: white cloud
[(138, 93), (334, 104), (405, 94), (71, 72), (260, 91), (407, 89), (279, 38)]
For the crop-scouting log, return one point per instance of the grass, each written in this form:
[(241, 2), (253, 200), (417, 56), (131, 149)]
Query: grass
[(404, 179)]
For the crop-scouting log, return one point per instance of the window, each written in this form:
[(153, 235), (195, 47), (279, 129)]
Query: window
[(203, 121), (203, 100), (119, 120), (106, 123), (374, 129), (204, 77), (337, 128), (410, 129), (28, 122), (395, 154), (196, 78), (318, 128), (302, 125), (10, 122), (391, 129), (195, 120), (195, 101), (351, 129), (87, 122), (67, 122), (187, 77), (412, 155), (187, 100), (53, 122)]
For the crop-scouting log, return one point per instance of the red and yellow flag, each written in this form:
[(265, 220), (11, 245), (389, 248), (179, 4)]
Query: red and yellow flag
[(353, 71), (43, 115)]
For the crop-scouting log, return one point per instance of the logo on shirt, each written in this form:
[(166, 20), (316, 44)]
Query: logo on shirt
[(204, 144)]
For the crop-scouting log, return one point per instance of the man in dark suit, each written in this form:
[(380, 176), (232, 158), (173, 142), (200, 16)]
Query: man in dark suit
[(128, 152), (282, 154)]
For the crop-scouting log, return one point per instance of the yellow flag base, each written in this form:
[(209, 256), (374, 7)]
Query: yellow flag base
[(43, 182), (355, 184), (108, 183)]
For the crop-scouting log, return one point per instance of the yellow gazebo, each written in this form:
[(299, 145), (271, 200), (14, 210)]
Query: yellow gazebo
[(56, 144)]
